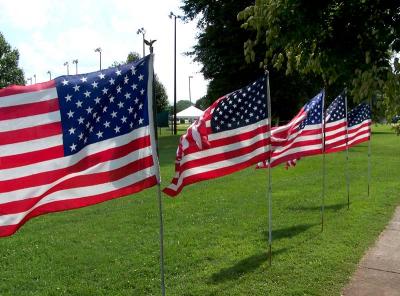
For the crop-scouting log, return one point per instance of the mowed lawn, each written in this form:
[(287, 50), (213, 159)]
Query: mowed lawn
[(215, 233)]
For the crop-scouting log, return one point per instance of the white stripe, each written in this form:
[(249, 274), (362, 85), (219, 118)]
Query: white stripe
[(26, 98), (226, 148), (359, 137), (354, 127), (29, 121), (296, 150), (216, 165), (282, 149), (335, 139), (30, 146), (80, 192), (236, 131), (106, 166), (63, 162), (365, 129)]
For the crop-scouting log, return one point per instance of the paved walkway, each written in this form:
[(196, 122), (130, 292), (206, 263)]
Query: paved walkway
[(378, 273)]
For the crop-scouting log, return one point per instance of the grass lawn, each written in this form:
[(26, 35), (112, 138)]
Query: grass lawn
[(215, 233)]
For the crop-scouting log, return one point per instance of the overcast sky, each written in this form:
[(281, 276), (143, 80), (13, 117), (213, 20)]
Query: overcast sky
[(48, 33)]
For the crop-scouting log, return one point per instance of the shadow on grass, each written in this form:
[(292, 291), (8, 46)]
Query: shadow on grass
[(337, 207), (383, 133), (244, 266), (290, 231)]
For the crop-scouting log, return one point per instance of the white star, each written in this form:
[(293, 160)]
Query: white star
[(142, 91), (140, 106), (106, 124), (105, 109), (87, 94), (126, 79), (80, 120), (73, 147), (118, 72), (134, 86), (83, 79), (94, 84), (80, 136), (105, 90), (114, 114), (130, 109), (97, 100), (127, 96), (112, 81), (141, 77), (91, 129), (71, 131), (68, 98), (101, 75), (99, 134), (76, 87), (78, 104), (131, 125), (120, 104), (136, 100), (117, 128), (133, 69), (118, 89), (65, 82), (123, 119), (70, 114), (141, 121), (89, 110), (111, 99), (85, 140)]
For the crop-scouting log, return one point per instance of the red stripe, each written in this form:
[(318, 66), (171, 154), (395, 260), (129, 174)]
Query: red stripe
[(296, 155), (331, 127), (219, 172), (30, 109), (84, 163), (23, 159), (30, 133), (76, 182), (19, 89), (298, 144), (63, 205), (301, 134)]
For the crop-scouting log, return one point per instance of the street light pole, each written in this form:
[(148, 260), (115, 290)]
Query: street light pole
[(76, 65), (34, 76), (30, 79), (172, 15), (48, 72), (143, 32), (67, 64), (190, 93), (99, 51)]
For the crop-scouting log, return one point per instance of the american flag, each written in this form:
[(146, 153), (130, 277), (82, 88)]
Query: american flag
[(302, 136), (359, 124), (75, 141), (335, 125), (231, 135)]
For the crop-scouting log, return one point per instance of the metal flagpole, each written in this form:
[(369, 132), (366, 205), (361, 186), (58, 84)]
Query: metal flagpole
[(160, 207), (269, 191), (323, 162), (347, 153), (369, 150)]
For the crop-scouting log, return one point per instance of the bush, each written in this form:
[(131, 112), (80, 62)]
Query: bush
[(396, 127)]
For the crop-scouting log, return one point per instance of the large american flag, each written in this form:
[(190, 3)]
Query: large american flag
[(302, 136), (336, 125), (231, 135), (359, 124), (75, 141)]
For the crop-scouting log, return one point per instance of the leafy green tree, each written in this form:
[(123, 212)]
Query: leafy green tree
[(220, 50), (182, 105), (10, 73), (160, 91), (343, 43)]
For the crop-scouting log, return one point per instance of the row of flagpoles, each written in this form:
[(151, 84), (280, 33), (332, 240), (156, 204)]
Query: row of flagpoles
[(79, 140)]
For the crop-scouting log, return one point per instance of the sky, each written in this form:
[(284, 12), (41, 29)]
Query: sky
[(48, 33)]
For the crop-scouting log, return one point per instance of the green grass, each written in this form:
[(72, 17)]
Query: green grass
[(215, 233)]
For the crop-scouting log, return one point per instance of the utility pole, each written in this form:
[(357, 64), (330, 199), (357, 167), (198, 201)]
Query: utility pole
[(76, 65), (99, 51), (143, 32), (67, 64)]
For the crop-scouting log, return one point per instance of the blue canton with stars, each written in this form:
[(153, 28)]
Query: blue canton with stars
[(101, 105), (242, 107), (313, 110), (336, 110), (359, 114)]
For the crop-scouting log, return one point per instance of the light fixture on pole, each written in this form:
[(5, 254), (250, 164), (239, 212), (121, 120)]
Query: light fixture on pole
[(67, 64), (172, 15), (99, 51), (49, 72), (190, 93), (76, 65), (143, 32), (34, 76)]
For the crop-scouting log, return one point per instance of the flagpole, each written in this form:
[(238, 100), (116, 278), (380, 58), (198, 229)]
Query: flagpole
[(269, 190), (347, 152), (369, 149), (323, 162), (160, 206)]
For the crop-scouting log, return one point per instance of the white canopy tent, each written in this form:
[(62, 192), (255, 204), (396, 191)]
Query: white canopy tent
[(189, 113)]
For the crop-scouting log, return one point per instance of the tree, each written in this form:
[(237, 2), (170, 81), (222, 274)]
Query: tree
[(182, 105), (159, 89), (220, 51), (10, 73), (343, 43)]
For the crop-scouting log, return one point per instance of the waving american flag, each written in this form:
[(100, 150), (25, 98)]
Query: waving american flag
[(359, 124), (75, 141)]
